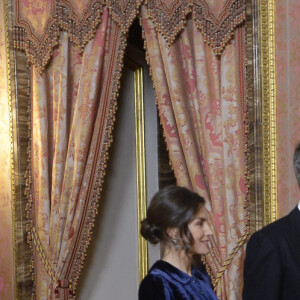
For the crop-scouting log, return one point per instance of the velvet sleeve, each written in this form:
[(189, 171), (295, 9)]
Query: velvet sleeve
[(262, 269), (152, 288)]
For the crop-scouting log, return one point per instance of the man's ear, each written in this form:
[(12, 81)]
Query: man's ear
[(172, 232)]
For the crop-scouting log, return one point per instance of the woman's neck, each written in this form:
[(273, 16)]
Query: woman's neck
[(178, 259)]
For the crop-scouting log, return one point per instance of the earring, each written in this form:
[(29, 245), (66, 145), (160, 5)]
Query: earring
[(175, 243)]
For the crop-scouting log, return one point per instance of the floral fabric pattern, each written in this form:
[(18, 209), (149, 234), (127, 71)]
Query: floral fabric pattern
[(216, 19), (201, 101), (76, 53), (73, 104), (37, 24)]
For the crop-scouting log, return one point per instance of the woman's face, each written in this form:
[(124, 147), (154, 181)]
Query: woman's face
[(200, 231)]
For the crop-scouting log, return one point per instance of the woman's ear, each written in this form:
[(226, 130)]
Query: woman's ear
[(172, 233)]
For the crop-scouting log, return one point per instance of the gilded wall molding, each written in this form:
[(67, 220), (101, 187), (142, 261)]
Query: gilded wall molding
[(268, 84), (140, 169)]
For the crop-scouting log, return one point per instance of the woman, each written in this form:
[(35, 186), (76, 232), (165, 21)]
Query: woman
[(177, 219)]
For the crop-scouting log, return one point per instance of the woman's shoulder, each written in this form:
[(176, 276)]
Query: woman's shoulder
[(153, 280), (156, 274), (152, 287)]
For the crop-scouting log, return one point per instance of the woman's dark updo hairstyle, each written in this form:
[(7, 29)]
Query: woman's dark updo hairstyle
[(171, 207)]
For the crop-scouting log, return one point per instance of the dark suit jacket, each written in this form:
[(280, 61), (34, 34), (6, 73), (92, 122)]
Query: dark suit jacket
[(272, 264)]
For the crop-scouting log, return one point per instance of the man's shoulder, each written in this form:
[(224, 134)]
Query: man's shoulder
[(281, 225), (273, 230)]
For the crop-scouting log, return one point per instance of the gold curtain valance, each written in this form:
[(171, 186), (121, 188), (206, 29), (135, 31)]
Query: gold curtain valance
[(216, 19), (37, 24)]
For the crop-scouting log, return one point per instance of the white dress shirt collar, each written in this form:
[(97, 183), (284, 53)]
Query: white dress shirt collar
[(299, 205)]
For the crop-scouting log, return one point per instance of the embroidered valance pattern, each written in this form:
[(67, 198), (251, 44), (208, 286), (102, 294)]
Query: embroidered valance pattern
[(216, 19), (37, 24)]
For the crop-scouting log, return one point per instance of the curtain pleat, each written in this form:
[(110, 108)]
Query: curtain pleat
[(201, 102), (73, 106)]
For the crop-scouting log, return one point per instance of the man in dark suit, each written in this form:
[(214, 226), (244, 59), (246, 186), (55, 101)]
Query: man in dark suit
[(272, 264)]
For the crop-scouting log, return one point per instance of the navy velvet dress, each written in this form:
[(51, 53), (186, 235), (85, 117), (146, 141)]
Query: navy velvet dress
[(166, 282)]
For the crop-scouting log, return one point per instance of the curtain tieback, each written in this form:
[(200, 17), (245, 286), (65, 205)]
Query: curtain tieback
[(63, 284)]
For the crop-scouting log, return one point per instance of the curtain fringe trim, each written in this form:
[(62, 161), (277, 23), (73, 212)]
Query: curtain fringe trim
[(75, 266), (216, 33), (153, 84), (28, 190), (40, 53), (73, 270)]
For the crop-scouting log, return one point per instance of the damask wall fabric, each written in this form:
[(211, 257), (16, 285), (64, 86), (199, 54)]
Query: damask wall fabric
[(201, 101), (6, 232), (287, 32)]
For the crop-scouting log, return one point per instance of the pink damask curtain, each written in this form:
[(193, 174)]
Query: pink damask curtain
[(201, 101), (72, 114)]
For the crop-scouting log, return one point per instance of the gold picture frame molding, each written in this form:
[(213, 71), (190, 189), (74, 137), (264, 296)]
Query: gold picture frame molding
[(268, 98), (143, 261)]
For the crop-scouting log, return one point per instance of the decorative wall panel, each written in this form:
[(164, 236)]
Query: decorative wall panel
[(287, 41)]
